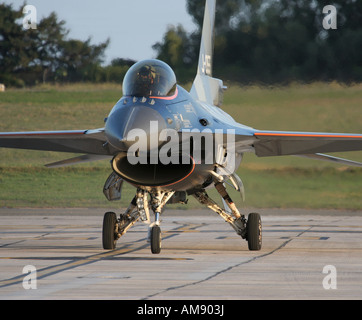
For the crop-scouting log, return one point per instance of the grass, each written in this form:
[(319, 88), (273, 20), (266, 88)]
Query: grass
[(274, 187), (269, 182)]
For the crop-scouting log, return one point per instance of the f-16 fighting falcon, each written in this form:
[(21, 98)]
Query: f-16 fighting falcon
[(171, 144)]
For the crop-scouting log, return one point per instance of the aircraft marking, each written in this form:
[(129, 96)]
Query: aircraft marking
[(166, 98), (307, 135), (44, 133)]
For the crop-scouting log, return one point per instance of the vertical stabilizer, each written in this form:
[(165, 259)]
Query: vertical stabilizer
[(205, 88), (207, 39)]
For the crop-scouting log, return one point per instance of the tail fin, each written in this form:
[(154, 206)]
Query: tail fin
[(205, 88), (207, 39)]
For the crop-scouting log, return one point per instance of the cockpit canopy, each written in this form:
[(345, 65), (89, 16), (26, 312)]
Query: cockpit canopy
[(149, 78)]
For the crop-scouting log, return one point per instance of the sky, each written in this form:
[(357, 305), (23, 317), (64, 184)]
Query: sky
[(133, 26)]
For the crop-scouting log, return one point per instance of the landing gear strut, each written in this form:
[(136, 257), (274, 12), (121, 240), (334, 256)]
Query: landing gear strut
[(249, 229)]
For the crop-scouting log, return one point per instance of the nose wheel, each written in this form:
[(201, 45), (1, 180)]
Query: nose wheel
[(155, 239)]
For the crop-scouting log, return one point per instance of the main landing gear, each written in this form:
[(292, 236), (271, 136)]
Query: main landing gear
[(114, 228), (249, 229)]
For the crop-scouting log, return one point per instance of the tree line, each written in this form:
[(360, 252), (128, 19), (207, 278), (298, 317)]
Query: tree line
[(45, 54), (273, 41), (256, 41)]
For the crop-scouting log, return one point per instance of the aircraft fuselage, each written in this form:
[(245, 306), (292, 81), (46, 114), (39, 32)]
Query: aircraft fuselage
[(156, 141)]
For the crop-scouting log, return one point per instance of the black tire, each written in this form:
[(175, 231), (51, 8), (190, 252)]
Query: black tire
[(156, 239), (254, 231), (108, 233)]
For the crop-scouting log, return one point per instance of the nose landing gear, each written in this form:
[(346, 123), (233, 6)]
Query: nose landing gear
[(158, 201), (114, 228)]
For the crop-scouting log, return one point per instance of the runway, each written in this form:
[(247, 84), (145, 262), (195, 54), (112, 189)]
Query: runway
[(306, 254)]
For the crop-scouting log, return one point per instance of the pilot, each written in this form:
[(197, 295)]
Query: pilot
[(145, 81)]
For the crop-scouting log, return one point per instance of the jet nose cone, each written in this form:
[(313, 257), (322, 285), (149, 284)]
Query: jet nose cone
[(125, 124)]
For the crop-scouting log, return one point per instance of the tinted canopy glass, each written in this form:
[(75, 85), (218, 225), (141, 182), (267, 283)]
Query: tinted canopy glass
[(149, 78)]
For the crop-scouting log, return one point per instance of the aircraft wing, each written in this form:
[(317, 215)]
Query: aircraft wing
[(276, 143), (76, 141)]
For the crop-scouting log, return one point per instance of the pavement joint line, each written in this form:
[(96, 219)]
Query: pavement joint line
[(48, 271), (227, 269)]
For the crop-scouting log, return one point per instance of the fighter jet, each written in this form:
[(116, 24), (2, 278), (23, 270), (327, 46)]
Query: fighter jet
[(171, 144)]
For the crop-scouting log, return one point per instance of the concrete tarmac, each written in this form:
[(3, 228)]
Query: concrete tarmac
[(306, 254)]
